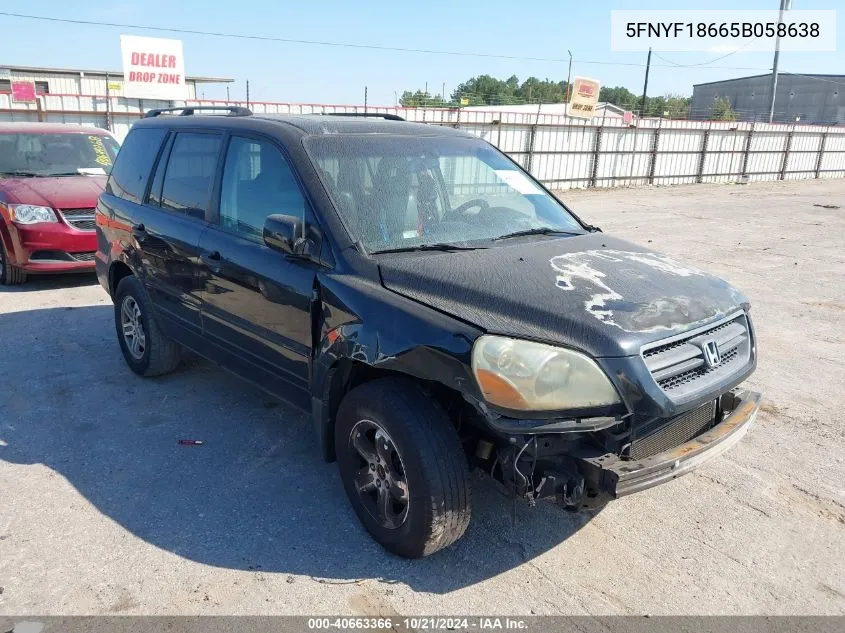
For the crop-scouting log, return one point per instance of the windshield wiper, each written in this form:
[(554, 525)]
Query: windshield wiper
[(428, 247), (545, 230)]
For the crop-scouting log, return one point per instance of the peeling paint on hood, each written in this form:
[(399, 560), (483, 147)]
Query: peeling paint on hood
[(592, 292), (591, 273)]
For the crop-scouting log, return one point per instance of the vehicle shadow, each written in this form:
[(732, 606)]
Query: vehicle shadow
[(255, 495), (52, 282)]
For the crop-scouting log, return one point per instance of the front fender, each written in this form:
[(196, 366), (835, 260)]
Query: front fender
[(365, 324)]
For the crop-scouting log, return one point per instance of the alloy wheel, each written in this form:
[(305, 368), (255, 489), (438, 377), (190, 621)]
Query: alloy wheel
[(132, 324), (380, 479)]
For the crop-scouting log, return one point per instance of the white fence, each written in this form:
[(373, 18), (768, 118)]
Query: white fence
[(559, 151)]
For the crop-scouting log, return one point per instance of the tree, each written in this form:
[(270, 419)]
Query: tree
[(487, 90), (620, 96), (484, 90), (721, 110), (420, 99)]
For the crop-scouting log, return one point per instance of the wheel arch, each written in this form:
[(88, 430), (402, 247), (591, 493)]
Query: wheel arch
[(117, 271), (347, 372)]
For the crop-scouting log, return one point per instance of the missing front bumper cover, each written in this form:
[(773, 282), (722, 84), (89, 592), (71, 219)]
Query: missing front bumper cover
[(621, 477)]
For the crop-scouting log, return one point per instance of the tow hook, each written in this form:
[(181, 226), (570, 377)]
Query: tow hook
[(569, 494)]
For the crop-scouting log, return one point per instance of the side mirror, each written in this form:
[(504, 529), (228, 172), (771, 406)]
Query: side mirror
[(283, 233)]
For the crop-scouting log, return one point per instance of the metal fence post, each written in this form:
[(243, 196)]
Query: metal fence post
[(532, 135), (746, 152), (594, 170), (702, 155), (788, 147), (820, 157), (652, 159)]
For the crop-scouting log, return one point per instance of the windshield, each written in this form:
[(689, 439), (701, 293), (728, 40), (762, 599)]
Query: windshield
[(56, 154), (396, 192)]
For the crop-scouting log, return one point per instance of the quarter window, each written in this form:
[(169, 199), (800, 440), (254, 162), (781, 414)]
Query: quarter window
[(190, 173), (257, 182)]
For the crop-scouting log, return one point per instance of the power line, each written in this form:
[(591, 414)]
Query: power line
[(267, 38), (715, 59)]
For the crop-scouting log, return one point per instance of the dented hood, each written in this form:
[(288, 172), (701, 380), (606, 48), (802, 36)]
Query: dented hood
[(593, 292)]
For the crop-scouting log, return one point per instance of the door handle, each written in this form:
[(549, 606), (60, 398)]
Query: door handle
[(139, 232), (211, 261)]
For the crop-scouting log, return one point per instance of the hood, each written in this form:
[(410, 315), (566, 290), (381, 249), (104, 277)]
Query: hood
[(593, 292), (60, 192)]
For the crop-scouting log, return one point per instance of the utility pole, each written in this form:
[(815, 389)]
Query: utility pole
[(645, 85), (568, 94), (247, 93), (365, 99), (443, 93), (227, 94), (785, 5)]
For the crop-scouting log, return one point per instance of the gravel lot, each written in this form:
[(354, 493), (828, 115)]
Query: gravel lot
[(102, 512)]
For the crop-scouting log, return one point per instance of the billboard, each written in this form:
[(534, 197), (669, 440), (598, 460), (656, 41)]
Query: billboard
[(585, 95), (153, 68)]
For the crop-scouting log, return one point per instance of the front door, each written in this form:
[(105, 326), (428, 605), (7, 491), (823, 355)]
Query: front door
[(256, 302)]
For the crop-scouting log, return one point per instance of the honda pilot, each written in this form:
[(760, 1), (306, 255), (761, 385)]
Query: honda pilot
[(428, 303)]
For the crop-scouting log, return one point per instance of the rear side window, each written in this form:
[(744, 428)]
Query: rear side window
[(134, 162), (190, 173)]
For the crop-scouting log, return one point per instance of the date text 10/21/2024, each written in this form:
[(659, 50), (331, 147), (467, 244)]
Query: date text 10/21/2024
[(430, 623)]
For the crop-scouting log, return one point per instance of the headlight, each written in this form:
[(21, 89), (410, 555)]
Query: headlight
[(529, 376), (31, 214)]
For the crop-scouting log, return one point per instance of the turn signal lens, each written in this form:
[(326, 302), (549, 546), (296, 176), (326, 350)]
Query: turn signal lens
[(500, 391)]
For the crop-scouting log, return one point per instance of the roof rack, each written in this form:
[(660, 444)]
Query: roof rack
[(376, 115), (189, 110)]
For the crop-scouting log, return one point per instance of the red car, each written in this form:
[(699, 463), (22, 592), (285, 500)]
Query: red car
[(50, 177)]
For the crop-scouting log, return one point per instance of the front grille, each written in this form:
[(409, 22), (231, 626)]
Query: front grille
[(82, 219), (679, 430), (84, 257), (681, 366)]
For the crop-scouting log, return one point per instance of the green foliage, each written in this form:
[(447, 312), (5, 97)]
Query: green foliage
[(721, 110), (676, 106), (487, 90), (421, 99), (621, 97)]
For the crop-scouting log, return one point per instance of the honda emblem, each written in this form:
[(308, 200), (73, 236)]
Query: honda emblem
[(711, 353)]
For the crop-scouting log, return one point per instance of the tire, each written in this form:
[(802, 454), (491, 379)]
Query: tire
[(156, 354), (9, 275), (430, 458)]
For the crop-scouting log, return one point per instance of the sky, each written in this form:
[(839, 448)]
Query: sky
[(305, 73)]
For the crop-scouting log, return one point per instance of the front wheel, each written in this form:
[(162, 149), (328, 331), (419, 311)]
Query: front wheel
[(402, 467), (9, 275)]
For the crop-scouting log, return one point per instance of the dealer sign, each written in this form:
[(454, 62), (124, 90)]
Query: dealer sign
[(153, 68), (585, 95)]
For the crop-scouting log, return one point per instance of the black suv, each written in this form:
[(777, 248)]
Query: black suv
[(428, 302)]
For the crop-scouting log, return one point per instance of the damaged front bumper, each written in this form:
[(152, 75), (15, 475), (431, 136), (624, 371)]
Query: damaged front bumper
[(623, 477)]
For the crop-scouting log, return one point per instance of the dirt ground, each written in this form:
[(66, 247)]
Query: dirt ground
[(101, 511)]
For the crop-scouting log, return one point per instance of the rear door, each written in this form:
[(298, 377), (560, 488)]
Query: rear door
[(168, 229), (256, 302)]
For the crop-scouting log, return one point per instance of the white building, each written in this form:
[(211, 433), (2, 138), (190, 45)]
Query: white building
[(86, 97)]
